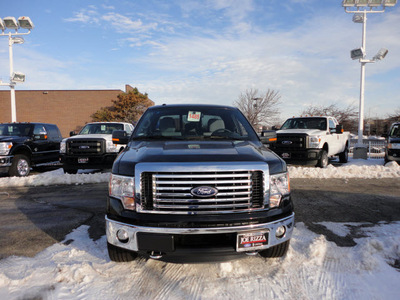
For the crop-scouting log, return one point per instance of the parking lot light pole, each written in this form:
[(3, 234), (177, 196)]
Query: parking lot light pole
[(14, 38), (360, 9)]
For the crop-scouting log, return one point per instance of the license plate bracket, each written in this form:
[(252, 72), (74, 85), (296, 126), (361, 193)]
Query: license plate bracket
[(83, 160), (252, 240)]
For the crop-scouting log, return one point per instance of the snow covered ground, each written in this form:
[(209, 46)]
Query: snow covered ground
[(314, 268)]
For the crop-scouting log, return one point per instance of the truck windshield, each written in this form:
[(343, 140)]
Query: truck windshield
[(15, 129), (395, 131), (305, 123), (196, 123), (101, 128)]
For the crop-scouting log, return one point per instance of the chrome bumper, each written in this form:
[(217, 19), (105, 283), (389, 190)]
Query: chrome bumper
[(112, 228)]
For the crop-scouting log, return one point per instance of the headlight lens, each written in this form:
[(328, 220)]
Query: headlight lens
[(63, 147), (5, 148), (111, 147), (393, 146), (279, 187), (313, 141), (123, 188)]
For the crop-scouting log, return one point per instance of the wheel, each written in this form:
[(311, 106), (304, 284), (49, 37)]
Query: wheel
[(323, 161), (20, 166), (70, 171), (344, 156), (276, 251), (120, 255)]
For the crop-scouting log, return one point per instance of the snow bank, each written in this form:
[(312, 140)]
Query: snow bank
[(313, 269)]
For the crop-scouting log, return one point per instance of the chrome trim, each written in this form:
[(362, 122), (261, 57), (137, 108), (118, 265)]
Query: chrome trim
[(113, 226), (202, 167)]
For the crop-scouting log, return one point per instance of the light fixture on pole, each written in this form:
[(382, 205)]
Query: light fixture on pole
[(360, 9), (14, 38)]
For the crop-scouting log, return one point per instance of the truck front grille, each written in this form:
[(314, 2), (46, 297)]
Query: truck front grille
[(289, 141), (86, 146), (171, 192)]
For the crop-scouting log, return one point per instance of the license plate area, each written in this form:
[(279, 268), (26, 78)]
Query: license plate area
[(252, 240), (83, 160), (285, 155)]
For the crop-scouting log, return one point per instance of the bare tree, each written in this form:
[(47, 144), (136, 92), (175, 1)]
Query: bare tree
[(395, 116), (259, 109), (348, 116)]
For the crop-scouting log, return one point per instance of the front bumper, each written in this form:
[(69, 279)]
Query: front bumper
[(299, 157), (393, 155), (137, 235), (93, 162), (5, 163)]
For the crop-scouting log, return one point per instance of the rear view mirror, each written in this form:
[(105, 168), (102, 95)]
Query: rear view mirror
[(120, 137), (268, 137)]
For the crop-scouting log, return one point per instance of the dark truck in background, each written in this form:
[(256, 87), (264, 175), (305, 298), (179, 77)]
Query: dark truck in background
[(392, 150), (195, 182), (26, 145)]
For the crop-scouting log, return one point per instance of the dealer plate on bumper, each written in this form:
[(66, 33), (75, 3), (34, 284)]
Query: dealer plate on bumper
[(83, 160), (252, 240)]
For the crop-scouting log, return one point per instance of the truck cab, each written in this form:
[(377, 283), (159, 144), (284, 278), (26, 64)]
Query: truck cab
[(392, 151)]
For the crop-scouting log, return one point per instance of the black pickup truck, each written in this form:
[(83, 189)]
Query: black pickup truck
[(196, 182), (26, 145)]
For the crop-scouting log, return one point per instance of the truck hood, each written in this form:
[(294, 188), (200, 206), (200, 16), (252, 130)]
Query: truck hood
[(302, 131), (107, 137), (186, 151)]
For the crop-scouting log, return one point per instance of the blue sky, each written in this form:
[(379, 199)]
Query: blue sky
[(208, 51)]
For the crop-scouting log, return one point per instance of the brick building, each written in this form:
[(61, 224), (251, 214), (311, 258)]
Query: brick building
[(69, 109)]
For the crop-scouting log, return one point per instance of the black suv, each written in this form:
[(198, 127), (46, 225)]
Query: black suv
[(392, 152), (26, 145), (196, 181)]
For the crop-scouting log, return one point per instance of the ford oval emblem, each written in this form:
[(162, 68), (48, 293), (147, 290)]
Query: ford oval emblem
[(287, 142), (204, 191)]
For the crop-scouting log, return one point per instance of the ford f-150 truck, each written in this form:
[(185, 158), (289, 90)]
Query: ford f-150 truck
[(26, 145), (92, 147), (195, 182), (312, 141)]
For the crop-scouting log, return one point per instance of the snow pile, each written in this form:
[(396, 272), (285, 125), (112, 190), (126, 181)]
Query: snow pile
[(313, 269), (373, 168)]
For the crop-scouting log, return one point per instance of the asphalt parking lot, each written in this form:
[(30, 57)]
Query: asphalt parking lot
[(34, 218)]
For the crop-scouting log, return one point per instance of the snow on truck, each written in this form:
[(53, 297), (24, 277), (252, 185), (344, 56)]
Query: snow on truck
[(312, 141), (195, 181)]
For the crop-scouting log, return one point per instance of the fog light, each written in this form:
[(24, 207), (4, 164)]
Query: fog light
[(280, 232), (122, 236)]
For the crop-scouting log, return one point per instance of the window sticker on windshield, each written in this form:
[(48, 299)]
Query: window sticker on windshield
[(194, 116), (103, 127), (10, 129)]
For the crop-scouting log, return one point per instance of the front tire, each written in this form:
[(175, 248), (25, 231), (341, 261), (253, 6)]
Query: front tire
[(20, 166), (70, 171), (120, 255), (276, 251), (324, 160)]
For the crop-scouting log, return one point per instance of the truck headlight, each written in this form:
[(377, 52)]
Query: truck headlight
[(123, 188), (313, 141), (5, 148), (111, 147), (63, 147), (393, 146), (279, 187)]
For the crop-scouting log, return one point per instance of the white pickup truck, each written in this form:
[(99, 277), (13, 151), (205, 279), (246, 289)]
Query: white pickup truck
[(312, 141), (92, 147)]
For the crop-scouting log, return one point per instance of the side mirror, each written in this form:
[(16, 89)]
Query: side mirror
[(72, 133), (120, 137), (385, 135), (275, 128), (268, 137), (40, 137), (339, 128)]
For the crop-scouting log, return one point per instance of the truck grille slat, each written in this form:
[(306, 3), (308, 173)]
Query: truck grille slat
[(171, 192)]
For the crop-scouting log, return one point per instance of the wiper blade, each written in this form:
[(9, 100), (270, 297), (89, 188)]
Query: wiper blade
[(157, 137)]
